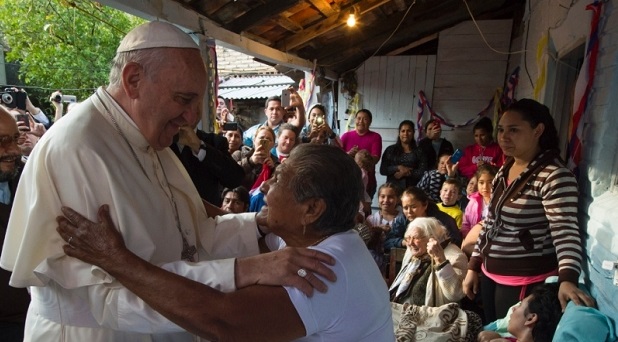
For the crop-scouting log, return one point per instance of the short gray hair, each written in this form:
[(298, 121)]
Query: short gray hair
[(430, 227), (149, 59), (326, 172)]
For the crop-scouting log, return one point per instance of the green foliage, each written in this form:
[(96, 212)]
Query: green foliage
[(63, 44)]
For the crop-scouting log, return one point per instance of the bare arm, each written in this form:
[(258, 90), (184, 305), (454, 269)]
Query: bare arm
[(299, 118)]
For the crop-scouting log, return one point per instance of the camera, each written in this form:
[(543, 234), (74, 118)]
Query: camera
[(11, 98), (64, 98), (230, 126)]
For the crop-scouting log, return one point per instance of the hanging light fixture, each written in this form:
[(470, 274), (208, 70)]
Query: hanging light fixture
[(352, 18)]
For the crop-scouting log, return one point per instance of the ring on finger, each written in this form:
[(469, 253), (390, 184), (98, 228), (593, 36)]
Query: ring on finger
[(69, 241), (301, 272)]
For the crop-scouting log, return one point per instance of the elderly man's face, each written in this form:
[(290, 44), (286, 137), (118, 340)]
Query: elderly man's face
[(168, 98), (9, 151)]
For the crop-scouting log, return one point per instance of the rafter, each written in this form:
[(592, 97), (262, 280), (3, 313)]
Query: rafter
[(259, 15), (325, 26), (325, 7)]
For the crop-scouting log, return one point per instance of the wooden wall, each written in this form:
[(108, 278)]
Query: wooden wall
[(468, 73), (388, 86)]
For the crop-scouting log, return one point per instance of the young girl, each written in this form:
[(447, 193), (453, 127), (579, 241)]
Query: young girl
[(479, 203), (381, 221)]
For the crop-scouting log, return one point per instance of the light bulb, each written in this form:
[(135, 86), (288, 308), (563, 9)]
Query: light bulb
[(351, 20)]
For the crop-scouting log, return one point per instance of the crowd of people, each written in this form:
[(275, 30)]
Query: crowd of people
[(268, 233)]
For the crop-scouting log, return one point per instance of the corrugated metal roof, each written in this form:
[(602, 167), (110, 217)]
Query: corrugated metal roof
[(254, 87)]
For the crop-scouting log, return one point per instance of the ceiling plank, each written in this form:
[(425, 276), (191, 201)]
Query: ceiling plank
[(174, 12), (325, 26), (325, 7), (288, 24), (413, 44), (259, 15)]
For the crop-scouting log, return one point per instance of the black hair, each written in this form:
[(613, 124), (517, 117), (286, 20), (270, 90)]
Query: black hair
[(366, 111), (391, 185), (545, 304), (398, 145), (241, 191), (484, 124), (272, 98), (429, 122), (485, 168), (535, 113)]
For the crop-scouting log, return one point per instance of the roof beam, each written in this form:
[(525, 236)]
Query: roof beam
[(324, 7), (259, 15), (175, 13), (325, 26), (413, 44)]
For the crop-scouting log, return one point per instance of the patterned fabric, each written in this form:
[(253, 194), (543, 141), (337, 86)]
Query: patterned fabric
[(446, 323), (431, 183)]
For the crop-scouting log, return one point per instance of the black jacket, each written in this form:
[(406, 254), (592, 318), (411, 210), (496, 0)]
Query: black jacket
[(216, 171), (432, 158)]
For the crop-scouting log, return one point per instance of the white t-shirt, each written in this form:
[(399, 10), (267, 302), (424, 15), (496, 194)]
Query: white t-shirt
[(356, 307)]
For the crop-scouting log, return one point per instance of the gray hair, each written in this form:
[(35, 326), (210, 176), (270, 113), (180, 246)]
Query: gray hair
[(326, 172), (429, 227), (149, 59)]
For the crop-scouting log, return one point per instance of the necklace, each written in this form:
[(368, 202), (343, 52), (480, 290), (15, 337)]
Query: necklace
[(321, 239), (188, 251)]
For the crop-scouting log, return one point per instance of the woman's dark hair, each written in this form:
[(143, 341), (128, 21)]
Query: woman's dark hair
[(391, 185), (545, 304), (536, 113), (429, 122), (422, 197), (485, 168), (327, 173), (366, 111), (318, 106), (398, 145), (484, 124)]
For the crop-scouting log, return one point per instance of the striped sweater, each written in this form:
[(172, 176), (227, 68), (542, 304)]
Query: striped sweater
[(532, 228)]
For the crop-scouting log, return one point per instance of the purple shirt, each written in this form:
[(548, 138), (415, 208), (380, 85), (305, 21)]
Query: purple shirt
[(370, 141)]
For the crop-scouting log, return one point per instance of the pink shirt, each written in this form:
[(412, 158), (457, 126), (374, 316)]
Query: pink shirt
[(370, 141)]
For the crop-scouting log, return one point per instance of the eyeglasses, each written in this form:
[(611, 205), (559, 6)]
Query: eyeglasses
[(7, 140)]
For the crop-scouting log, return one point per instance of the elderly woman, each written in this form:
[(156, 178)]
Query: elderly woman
[(433, 268), (312, 201)]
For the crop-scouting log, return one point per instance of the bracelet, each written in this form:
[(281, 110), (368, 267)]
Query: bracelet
[(441, 266)]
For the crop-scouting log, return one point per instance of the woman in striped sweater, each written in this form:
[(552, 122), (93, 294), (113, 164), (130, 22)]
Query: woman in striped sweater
[(531, 230)]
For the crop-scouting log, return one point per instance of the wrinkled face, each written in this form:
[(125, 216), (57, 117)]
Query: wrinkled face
[(519, 317), (233, 204), (471, 187), (416, 242), (169, 96), (10, 154), (434, 131), (282, 209), (387, 198), (274, 113), (482, 137), (449, 194), (286, 141), (28, 143), (442, 164), (412, 207), (234, 140), (406, 134), (362, 122), (484, 185), (517, 137)]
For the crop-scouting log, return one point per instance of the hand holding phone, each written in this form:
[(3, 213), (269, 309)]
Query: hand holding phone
[(285, 98), (456, 156), (24, 119)]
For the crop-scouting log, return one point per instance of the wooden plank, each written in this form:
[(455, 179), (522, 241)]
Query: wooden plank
[(481, 53), (325, 7), (288, 24), (470, 67), (496, 79), (430, 78), (259, 14), (381, 90), (498, 41), (420, 79), (468, 27), (413, 44), (469, 93)]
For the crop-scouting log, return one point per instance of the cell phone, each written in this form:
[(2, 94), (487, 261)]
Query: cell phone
[(456, 156), (25, 119), (230, 126), (285, 98)]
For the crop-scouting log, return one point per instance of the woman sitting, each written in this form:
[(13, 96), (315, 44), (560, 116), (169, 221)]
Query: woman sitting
[(312, 201), (433, 268)]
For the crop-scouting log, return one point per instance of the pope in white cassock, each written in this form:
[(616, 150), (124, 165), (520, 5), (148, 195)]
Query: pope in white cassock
[(112, 149)]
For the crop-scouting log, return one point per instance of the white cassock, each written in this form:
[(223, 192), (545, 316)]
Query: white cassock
[(83, 162)]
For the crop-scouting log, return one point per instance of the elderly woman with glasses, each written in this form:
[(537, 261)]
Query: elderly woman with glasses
[(311, 201), (433, 268)]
